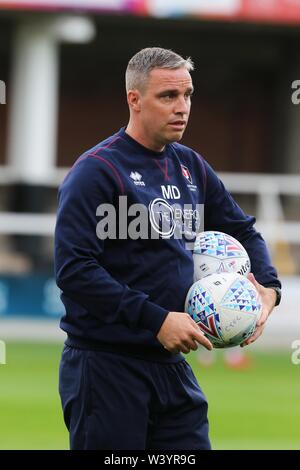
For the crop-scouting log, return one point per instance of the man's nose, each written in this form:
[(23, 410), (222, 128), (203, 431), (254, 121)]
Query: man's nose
[(182, 105)]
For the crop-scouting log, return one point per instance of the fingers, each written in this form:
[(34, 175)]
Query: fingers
[(254, 337), (252, 279), (200, 338), (185, 346), (194, 346), (182, 334), (265, 312), (182, 348), (191, 345), (172, 350), (263, 317)]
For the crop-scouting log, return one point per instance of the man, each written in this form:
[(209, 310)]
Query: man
[(123, 381)]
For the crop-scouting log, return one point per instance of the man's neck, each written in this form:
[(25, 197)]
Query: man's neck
[(134, 133)]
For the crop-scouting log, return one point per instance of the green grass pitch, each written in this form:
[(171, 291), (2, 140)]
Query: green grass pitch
[(257, 408)]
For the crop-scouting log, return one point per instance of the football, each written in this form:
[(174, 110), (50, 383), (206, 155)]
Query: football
[(217, 252), (226, 307)]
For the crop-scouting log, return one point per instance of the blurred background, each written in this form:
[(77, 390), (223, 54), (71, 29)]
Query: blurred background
[(62, 66)]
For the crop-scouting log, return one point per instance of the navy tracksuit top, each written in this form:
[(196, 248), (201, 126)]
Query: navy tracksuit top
[(117, 292)]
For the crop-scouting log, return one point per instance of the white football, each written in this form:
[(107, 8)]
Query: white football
[(226, 307), (217, 252)]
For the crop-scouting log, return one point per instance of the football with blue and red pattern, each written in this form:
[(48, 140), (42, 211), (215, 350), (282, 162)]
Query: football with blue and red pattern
[(217, 252), (226, 307)]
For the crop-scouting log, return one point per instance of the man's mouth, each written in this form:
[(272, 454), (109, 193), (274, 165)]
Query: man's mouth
[(178, 124)]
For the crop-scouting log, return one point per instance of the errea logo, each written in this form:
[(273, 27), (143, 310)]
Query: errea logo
[(137, 178)]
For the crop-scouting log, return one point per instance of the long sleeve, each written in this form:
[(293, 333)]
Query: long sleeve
[(78, 252), (223, 214)]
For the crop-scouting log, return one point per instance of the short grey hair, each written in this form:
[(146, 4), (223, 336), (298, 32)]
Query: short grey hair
[(141, 64)]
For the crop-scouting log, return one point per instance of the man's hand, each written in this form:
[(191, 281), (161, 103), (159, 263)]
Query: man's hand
[(179, 333), (268, 298)]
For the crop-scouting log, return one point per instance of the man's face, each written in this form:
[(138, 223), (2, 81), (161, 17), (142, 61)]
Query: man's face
[(165, 106)]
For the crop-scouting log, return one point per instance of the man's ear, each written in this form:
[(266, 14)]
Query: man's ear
[(134, 100)]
